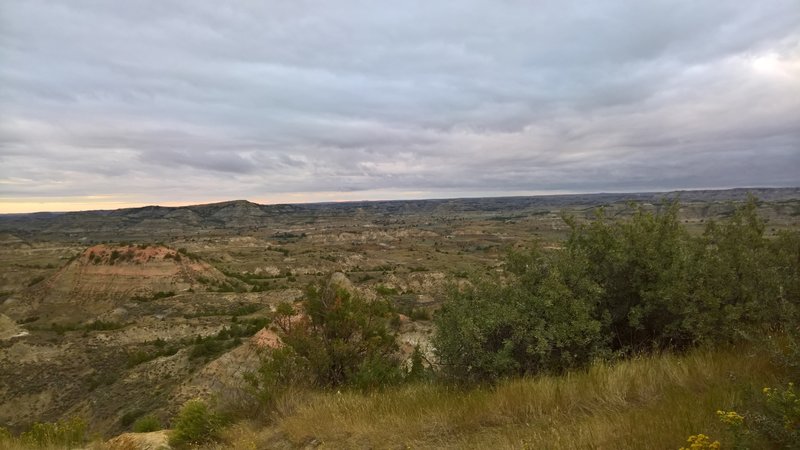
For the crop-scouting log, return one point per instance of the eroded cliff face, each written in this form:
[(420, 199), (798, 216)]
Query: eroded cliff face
[(105, 277)]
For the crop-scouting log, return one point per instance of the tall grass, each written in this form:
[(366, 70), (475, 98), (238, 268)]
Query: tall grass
[(649, 402)]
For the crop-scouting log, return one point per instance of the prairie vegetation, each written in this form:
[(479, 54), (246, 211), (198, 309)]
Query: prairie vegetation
[(636, 334), (626, 327), (622, 288), (653, 401)]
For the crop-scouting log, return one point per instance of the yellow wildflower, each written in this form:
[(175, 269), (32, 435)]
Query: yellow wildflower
[(730, 418), (701, 442)]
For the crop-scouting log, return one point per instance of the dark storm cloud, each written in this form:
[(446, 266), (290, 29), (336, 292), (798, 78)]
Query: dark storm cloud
[(165, 100)]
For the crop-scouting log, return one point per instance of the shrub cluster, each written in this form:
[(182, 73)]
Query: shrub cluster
[(158, 349), (195, 424), (68, 433), (125, 256), (241, 309), (772, 422), (146, 424), (343, 341), (103, 325), (542, 321), (255, 280), (192, 256), (621, 287), (155, 296), (211, 346), (36, 280), (95, 325)]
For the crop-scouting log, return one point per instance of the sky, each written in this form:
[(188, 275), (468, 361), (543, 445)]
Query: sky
[(108, 104)]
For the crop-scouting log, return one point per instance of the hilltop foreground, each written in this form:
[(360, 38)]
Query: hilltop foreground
[(650, 402)]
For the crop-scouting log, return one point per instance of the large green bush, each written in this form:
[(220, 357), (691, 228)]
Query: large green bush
[(543, 321), (641, 266), (664, 288), (740, 279), (346, 339), (343, 341), (622, 287), (280, 370)]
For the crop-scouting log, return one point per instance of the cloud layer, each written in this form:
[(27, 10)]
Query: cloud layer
[(187, 101)]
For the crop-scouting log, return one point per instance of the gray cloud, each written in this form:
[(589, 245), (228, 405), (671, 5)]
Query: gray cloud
[(180, 101)]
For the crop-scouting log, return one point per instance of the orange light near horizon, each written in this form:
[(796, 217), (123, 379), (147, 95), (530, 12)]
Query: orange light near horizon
[(106, 202), (70, 204)]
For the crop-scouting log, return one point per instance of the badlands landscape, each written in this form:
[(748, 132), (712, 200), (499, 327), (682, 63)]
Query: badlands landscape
[(111, 316)]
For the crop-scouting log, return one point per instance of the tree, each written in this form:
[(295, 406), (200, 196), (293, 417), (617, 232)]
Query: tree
[(343, 340), (641, 265), (539, 321)]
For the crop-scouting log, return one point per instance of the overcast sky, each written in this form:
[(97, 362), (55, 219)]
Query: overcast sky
[(106, 104)]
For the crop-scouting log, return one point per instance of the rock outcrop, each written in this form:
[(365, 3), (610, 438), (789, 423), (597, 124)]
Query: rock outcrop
[(104, 277)]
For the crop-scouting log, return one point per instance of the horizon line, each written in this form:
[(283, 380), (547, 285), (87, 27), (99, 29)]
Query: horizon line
[(554, 193)]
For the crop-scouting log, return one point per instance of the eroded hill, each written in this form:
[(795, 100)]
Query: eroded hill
[(119, 330), (106, 277)]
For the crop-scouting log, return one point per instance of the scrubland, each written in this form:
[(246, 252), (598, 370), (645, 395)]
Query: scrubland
[(629, 326)]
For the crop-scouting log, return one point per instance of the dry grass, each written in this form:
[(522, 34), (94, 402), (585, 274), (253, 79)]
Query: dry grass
[(16, 444), (652, 402)]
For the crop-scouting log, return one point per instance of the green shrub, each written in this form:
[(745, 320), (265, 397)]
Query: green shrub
[(344, 337), (344, 342), (376, 371), (625, 287), (138, 357), (741, 281), (209, 347), (771, 421), (195, 424), (280, 370), (642, 267), (420, 314), (146, 424), (283, 316), (6, 437), (130, 416), (385, 290), (162, 294), (779, 423), (103, 378), (101, 325), (162, 348), (67, 433), (418, 370), (541, 322), (662, 287), (36, 280)]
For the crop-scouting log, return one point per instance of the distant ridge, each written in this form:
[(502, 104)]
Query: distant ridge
[(243, 214)]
